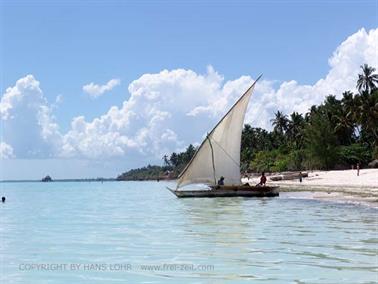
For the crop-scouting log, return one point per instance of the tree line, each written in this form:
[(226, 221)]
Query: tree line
[(336, 134)]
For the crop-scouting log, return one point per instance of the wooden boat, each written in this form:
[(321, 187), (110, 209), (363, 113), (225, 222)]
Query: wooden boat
[(217, 159), (230, 191)]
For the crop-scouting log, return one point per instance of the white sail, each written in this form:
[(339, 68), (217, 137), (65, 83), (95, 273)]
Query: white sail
[(219, 153)]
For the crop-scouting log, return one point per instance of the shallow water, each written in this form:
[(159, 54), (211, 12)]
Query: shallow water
[(138, 232)]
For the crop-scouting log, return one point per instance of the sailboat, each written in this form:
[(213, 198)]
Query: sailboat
[(219, 156)]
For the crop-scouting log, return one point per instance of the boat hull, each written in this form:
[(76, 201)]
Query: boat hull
[(229, 191)]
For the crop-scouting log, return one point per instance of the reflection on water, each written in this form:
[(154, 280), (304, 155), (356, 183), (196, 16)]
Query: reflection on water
[(269, 240)]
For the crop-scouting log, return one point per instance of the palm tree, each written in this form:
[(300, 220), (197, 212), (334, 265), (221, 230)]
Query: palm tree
[(280, 122), (349, 105), (367, 80), (345, 119), (368, 113), (331, 107), (295, 129), (344, 128), (320, 142), (174, 160), (165, 161)]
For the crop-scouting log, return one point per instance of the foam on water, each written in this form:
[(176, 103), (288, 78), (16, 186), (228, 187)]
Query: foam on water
[(153, 237)]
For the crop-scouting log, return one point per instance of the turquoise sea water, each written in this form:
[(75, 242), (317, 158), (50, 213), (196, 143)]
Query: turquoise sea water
[(138, 232)]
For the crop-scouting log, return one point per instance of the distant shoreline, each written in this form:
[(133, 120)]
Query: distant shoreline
[(335, 186), (339, 180), (86, 180)]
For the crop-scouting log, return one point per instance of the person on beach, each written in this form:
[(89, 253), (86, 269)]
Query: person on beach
[(262, 180), (358, 169), (300, 176)]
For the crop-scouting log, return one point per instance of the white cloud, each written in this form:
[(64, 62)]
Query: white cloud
[(290, 96), (58, 99), (95, 90), (6, 151), (168, 110), (27, 121), (149, 121)]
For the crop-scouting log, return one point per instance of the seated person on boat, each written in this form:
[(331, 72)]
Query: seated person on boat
[(221, 181)]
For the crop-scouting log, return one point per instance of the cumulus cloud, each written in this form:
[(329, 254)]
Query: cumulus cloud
[(6, 151), (164, 113), (168, 110), (95, 90), (27, 121), (152, 121), (345, 62)]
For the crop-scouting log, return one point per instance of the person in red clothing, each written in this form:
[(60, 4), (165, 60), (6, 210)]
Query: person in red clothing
[(262, 180)]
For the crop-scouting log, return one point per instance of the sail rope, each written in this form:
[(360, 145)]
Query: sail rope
[(236, 163)]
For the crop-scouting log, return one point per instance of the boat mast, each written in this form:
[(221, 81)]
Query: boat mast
[(208, 136), (212, 158)]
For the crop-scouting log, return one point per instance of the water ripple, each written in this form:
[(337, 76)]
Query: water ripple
[(279, 240)]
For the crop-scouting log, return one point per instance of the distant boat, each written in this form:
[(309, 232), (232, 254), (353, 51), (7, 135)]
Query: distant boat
[(219, 156)]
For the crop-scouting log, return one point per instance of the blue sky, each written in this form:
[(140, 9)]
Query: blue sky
[(65, 45)]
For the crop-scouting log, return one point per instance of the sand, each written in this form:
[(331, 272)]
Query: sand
[(335, 185)]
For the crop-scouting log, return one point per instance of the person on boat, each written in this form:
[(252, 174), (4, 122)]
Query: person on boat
[(262, 180), (221, 181)]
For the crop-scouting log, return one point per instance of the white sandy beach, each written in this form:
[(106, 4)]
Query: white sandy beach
[(344, 184)]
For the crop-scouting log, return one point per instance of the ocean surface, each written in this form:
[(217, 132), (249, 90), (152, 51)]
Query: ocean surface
[(139, 232)]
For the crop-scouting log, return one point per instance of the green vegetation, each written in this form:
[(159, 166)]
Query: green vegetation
[(335, 134), (171, 168), (145, 173)]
